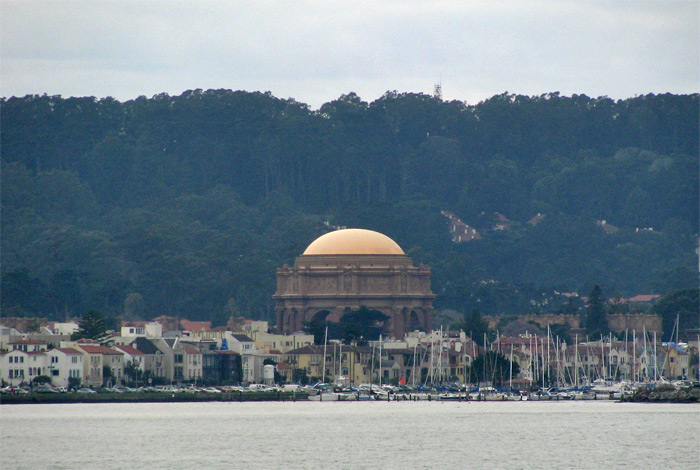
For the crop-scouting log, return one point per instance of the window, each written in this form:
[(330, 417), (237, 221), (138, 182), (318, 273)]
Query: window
[(74, 359), (178, 358), (54, 372)]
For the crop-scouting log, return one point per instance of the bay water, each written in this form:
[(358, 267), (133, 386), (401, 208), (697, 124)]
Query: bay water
[(353, 435)]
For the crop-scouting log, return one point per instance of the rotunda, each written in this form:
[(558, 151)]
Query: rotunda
[(344, 270)]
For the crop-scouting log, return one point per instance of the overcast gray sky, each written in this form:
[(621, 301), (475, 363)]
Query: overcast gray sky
[(314, 51)]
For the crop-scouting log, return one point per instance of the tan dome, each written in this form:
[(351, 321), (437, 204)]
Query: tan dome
[(354, 241)]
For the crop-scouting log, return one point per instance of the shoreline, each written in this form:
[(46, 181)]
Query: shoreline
[(677, 396), (51, 398)]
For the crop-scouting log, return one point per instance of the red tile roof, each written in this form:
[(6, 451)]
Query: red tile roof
[(644, 298), (100, 350), (128, 349), (28, 341), (536, 219), (68, 351), (191, 349)]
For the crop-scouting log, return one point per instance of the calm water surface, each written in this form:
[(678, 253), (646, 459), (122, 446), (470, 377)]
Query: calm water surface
[(403, 435)]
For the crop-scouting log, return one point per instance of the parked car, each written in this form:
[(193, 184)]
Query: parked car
[(86, 390)]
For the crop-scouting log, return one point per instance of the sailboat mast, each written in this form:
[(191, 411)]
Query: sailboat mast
[(511, 366), (325, 345), (543, 360), (576, 360), (549, 367), (380, 360), (646, 356), (413, 374), (634, 356), (656, 367), (530, 362), (678, 325)]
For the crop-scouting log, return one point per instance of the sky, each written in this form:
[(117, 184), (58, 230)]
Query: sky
[(315, 51)]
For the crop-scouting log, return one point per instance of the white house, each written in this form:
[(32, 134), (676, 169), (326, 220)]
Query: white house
[(28, 345), (64, 364), (19, 366), (14, 367), (193, 363), (132, 357), (146, 330), (67, 328)]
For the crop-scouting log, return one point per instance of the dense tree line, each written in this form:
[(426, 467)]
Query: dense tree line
[(181, 205)]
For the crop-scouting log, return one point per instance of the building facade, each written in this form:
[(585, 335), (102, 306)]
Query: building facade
[(347, 269)]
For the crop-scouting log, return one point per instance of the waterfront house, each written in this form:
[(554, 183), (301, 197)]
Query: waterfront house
[(192, 363), (307, 359), (153, 359), (675, 363), (134, 362), (93, 363), (14, 367), (221, 367), (101, 365), (65, 364)]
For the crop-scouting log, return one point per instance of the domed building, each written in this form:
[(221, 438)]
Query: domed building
[(347, 269)]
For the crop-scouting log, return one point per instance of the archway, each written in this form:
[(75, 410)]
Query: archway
[(413, 321)]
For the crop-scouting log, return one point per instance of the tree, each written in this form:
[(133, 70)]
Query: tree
[(475, 326), (221, 317), (133, 371), (73, 383), (41, 379), (362, 323), (92, 326), (493, 367), (682, 305), (134, 306), (107, 375), (596, 318)]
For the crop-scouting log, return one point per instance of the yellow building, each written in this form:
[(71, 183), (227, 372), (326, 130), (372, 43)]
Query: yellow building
[(348, 364)]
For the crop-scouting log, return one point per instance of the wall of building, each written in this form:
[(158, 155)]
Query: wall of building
[(621, 322)]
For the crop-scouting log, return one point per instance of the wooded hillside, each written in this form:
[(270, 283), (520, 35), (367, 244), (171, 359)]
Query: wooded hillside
[(186, 205)]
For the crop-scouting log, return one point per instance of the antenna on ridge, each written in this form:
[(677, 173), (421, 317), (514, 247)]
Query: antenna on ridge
[(437, 92)]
